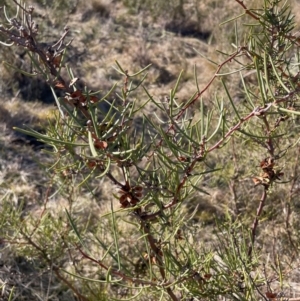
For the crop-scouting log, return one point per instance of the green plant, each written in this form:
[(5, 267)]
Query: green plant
[(156, 163)]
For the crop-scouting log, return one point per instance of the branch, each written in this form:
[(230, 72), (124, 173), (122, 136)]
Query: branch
[(229, 59), (255, 222), (247, 11)]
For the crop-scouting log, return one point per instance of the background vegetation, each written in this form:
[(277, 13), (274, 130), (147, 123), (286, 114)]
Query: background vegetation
[(173, 175)]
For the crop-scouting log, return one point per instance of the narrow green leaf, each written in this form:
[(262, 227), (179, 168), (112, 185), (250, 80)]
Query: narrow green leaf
[(91, 143), (115, 235), (37, 65), (86, 178), (232, 72), (120, 70), (260, 81), (220, 122), (47, 139), (280, 109), (231, 100), (57, 102), (19, 70), (246, 91), (232, 19), (266, 71), (209, 60), (174, 91), (278, 76), (61, 64), (71, 221), (207, 124), (260, 137), (196, 78), (141, 71), (202, 130), (88, 279), (138, 84)]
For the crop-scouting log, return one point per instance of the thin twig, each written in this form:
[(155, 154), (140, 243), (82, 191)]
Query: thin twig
[(119, 273), (55, 269), (247, 11), (255, 222), (22, 7), (159, 258), (199, 94), (269, 143)]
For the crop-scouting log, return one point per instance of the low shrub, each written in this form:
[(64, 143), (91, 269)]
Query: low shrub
[(159, 159)]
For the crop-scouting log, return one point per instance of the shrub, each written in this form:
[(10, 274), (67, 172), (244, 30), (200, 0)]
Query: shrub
[(159, 158)]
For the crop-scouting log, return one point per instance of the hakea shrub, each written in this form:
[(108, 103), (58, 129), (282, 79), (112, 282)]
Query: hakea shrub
[(155, 164)]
